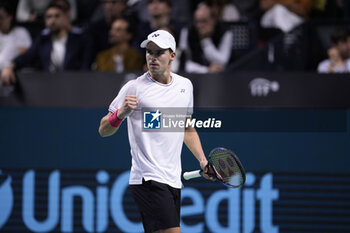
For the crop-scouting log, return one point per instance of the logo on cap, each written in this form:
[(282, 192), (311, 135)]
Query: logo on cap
[(155, 35)]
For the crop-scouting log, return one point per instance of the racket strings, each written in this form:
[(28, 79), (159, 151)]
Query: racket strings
[(227, 167)]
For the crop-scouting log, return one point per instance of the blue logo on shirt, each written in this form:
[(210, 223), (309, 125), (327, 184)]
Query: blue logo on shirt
[(152, 120)]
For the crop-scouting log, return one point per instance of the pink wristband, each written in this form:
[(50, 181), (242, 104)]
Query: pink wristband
[(114, 120)]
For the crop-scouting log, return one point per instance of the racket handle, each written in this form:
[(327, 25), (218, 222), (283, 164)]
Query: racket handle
[(192, 174)]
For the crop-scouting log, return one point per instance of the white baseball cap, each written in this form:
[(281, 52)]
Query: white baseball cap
[(161, 38)]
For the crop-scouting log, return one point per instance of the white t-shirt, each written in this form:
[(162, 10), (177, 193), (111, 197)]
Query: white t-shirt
[(323, 67), (58, 53), (155, 155), (10, 43)]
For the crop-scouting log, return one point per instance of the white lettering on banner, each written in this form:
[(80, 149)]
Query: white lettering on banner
[(96, 209)]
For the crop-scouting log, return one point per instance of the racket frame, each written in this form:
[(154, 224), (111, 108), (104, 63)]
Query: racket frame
[(237, 161), (199, 173)]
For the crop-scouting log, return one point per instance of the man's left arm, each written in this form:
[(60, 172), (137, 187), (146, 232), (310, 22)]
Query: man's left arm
[(193, 143)]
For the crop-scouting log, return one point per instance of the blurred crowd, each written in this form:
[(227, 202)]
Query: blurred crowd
[(105, 35)]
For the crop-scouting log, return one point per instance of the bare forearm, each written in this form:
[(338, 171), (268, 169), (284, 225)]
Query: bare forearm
[(110, 123), (193, 143), (105, 128)]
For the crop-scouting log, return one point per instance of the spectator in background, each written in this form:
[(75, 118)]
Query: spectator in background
[(284, 14), (338, 55), (159, 18), (180, 10), (159, 12), (98, 31), (121, 57), (206, 45), (56, 48), (224, 10), (33, 10), (299, 7), (14, 40)]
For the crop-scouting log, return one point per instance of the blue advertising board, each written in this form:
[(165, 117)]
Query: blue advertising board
[(58, 174)]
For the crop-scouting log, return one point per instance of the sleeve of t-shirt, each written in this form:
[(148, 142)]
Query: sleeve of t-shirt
[(22, 37), (118, 101), (23, 11), (323, 66), (220, 54), (194, 67)]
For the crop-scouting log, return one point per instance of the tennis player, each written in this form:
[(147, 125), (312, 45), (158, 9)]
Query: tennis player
[(155, 177)]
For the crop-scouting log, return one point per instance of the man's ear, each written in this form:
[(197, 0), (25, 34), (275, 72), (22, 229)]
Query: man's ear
[(172, 55)]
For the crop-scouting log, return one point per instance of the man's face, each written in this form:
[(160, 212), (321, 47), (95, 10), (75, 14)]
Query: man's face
[(343, 48), (204, 22), (113, 9), (118, 33), (158, 8), (55, 20), (158, 59)]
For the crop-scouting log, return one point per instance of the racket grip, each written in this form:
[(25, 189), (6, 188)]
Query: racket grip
[(192, 174)]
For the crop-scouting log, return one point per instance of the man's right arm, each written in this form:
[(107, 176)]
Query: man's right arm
[(110, 123), (7, 75), (106, 129)]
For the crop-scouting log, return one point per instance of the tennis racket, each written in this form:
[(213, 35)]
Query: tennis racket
[(226, 168)]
